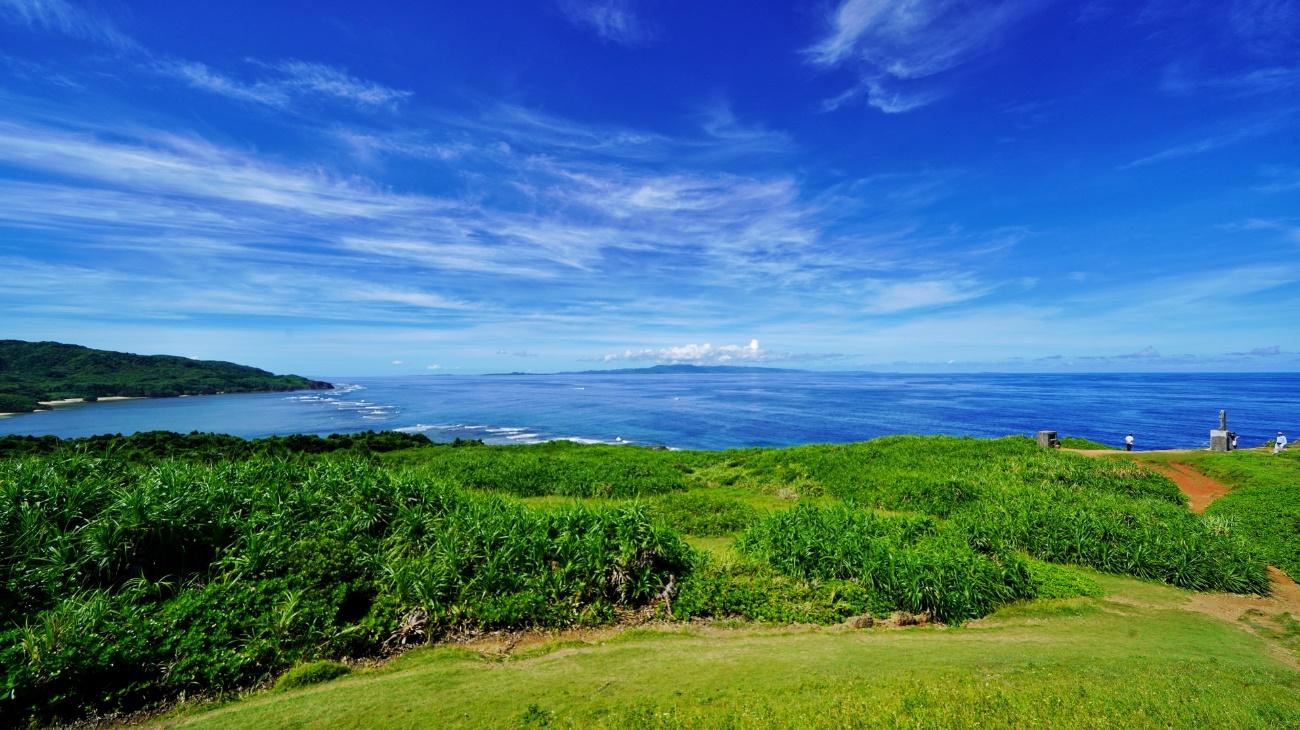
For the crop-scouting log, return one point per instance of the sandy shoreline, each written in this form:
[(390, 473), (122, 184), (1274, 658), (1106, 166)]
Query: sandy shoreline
[(105, 399), (74, 401)]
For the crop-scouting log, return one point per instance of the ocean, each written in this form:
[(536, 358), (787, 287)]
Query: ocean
[(718, 411)]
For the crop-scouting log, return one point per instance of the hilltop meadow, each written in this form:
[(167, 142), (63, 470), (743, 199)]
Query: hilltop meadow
[(141, 572)]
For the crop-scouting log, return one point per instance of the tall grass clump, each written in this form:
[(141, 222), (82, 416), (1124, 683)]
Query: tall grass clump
[(702, 514), (556, 468), (123, 585), (1264, 504), (913, 563), (1147, 537), (937, 475)]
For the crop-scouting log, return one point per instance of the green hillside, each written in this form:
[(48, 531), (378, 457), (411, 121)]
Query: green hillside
[(31, 372), (139, 571)]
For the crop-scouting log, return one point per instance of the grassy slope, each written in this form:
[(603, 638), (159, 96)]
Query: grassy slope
[(1265, 500), (713, 495), (37, 371), (1137, 658), (1134, 659)]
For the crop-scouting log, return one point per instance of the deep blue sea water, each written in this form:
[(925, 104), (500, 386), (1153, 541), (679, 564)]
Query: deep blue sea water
[(714, 411)]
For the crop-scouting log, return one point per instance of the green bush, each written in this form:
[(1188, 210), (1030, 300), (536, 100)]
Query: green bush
[(1144, 537), (311, 673), (1075, 442), (10, 403), (556, 468), (756, 592), (1264, 505), (1056, 581), (912, 563), (124, 584), (702, 514), (147, 446)]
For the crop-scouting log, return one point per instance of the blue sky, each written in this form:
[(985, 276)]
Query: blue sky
[(392, 188)]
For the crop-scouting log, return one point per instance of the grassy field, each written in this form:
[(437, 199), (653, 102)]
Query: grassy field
[(137, 571), (1137, 658), (1264, 504)]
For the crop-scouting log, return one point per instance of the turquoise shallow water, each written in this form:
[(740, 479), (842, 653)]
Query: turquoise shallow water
[(724, 410)]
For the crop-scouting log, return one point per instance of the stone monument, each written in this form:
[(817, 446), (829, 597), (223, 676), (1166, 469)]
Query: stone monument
[(1048, 440), (1219, 440)]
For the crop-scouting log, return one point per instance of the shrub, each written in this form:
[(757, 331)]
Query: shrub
[(912, 563), (757, 592), (557, 468), (311, 673), (10, 403), (125, 585), (1145, 537), (702, 514)]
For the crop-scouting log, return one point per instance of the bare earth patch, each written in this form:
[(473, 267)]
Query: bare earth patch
[(1264, 612), (1199, 488)]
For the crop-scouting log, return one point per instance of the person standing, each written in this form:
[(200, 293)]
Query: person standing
[(1279, 443), (1232, 441), (1128, 442)]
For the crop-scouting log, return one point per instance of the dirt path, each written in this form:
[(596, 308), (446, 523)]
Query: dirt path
[(1200, 489), (1269, 617)]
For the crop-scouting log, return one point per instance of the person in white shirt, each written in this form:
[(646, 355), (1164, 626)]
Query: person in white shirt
[(1279, 443), (1128, 442)]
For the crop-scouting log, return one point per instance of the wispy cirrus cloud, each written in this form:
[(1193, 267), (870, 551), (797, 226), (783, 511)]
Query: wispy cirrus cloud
[(1182, 80), (1206, 144), (1279, 179), (898, 49), (893, 297), (60, 16), (285, 82), (612, 20)]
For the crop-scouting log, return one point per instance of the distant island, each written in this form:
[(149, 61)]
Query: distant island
[(35, 374), (669, 370)]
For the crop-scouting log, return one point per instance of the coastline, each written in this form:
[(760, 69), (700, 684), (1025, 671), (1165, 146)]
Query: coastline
[(52, 404), (105, 399)]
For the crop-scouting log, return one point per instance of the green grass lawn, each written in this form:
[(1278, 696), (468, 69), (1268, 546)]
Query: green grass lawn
[(1137, 658)]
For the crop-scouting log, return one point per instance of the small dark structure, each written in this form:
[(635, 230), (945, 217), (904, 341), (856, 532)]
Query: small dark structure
[(1048, 440)]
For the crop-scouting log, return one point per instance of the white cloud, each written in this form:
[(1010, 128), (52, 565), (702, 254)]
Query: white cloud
[(705, 353), (893, 297), (418, 299), (1287, 227), (432, 367), (612, 20), (59, 16), (708, 354), (1280, 179), (1206, 144), (172, 164), (325, 80), (288, 82), (1182, 80), (200, 76), (893, 45), (399, 362)]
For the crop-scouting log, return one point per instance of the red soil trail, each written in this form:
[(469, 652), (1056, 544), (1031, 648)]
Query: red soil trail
[(1200, 489)]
